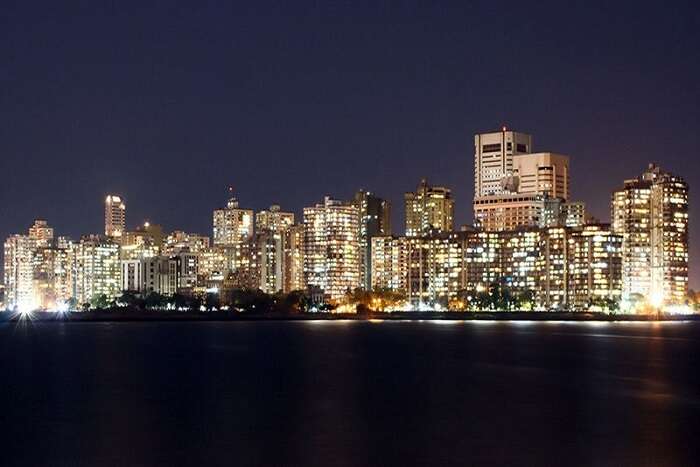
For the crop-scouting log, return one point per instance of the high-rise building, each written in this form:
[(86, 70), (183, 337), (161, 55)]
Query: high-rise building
[(232, 225), (271, 226), (274, 219), (294, 259), (429, 209), (115, 216), (375, 220), (530, 195), (331, 247), (96, 268), (144, 242), (389, 263), (37, 269), (651, 213), (435, 271), (179, 241), (558, 213), (18, 273), (509, 211), (158, 274), (271, 254), (594, 271), (558, 267), (542, 173), (41, 233), (233, 237), (493, 159)]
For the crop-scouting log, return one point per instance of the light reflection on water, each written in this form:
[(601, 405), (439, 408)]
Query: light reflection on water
[(352, 393)]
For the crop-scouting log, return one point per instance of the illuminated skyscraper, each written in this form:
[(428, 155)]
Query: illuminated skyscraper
[(18, 273), (179, 241), (429, 209), (97, 269), (493, 159), (525, 199), (271, 227), (41, 233), (232, 224), (233, 237), (37, 269), (274, 219), (375, 220), (294, 259), (651, 212), (115, 216), (389, 263), (594, 273), (331, 247)]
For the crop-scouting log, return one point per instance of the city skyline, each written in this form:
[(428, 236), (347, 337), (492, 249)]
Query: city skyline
[(550, 255), (162, 120)]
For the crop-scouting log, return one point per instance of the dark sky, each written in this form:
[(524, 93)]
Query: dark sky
[(168, 103)]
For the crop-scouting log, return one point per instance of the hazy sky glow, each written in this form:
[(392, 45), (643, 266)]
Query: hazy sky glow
[(168, 103)]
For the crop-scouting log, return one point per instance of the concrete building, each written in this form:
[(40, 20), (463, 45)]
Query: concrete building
[(37, 269), (428, 209), (532, 194), (179, 241), (508, 211), (493, 159), (115, 216), (651, 213), (331, 247), (435, 270), (271, 252), (294, 259), (594, 273), (558, 213), (389, 259), (18, 273), (375, 220), (542, 173), (41, 233), (271, 228), (232, 225), (96, 269), (158, 274), (274, 219), (560, 268)]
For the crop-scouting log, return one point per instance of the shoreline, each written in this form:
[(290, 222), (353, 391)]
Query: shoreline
[(182, 316)]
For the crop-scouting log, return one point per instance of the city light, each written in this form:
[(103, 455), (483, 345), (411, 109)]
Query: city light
[(531, 249)]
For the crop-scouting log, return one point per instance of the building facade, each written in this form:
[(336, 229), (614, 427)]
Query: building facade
[(428, 209), (96, 269), (651, 213), (493, 159), (332, 247), (557, 268), (115, 216), (375, 220)]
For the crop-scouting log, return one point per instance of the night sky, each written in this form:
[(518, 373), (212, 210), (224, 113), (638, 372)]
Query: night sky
[(169, 103)]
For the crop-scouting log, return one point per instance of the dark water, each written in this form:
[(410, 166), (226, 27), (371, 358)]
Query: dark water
[(349, 393)]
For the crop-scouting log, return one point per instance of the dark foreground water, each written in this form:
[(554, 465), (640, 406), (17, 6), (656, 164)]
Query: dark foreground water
[(349, 393)]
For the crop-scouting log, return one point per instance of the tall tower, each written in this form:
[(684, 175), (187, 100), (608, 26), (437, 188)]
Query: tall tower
[(375, 220), (429, 209), (493, 158), (651, 213), (331, 247), (115, 216), (270, 236), (232, 225)]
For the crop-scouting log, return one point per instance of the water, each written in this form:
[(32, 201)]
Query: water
[(349, 393)]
